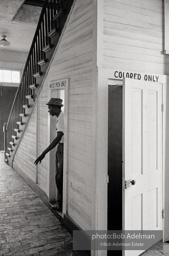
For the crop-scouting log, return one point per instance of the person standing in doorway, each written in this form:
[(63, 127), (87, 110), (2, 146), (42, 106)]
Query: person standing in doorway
[(54, 109)]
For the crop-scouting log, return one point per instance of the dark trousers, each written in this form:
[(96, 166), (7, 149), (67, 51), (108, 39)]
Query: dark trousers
[(59, 171)]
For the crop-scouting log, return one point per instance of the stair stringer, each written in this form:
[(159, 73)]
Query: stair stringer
[(32, 120), (10, 159), (55, 37)]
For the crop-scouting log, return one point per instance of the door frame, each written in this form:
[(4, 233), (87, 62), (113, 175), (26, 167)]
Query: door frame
[(116, 222), (59, 85), (115, 122), (120, 82)]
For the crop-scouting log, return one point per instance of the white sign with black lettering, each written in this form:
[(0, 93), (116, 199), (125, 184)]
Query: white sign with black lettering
[(156, 78), (58, 84)]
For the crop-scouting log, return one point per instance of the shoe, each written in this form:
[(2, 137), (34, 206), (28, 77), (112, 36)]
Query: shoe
[(56, 207)]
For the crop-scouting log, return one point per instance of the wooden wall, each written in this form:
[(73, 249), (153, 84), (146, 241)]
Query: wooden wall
[(26, 153), (74, 60), (133, 36), (42, 139), (12, 60), (130, 38)]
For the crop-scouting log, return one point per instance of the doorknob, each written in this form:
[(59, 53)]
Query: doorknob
[(128, 183), (133, 182)]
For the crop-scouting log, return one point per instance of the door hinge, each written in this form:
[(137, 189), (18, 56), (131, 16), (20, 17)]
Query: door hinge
[(163, 214), (107, 178), (162, 107)]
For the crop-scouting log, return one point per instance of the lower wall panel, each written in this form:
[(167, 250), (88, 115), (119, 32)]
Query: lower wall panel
[(26, 152)]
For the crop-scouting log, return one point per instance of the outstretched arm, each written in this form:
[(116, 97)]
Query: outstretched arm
[(50, 147)]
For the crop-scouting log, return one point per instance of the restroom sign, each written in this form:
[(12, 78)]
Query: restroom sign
[(135, 75), (58, 84)]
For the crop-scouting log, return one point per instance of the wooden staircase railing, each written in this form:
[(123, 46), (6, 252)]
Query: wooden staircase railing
[(51, 22)]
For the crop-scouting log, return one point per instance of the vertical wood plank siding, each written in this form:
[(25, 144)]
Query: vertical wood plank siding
[(25, 155), (42, 140), (133, 36), (73, 60)]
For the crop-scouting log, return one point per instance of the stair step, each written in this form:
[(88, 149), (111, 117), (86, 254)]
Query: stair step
[(26, 106), (12, 143), (29, 96), (17, 130), (20, 123), (14, 137), (10, 149), (33, 86), (38, 74), (58, 15), (53, 32), (7, 154), (23, 115), (6, 160), (42, 62), (47, 48)]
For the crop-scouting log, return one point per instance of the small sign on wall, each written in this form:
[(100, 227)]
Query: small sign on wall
[(58, 84), (146, 77), (138, 76)]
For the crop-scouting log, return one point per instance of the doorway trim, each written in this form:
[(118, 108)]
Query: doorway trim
[(60, 85), (120, 82)]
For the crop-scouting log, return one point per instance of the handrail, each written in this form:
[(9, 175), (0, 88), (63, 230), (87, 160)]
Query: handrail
[(46, 5), (49, 20)]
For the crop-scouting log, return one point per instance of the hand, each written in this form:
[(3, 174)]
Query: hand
[(39, 159)]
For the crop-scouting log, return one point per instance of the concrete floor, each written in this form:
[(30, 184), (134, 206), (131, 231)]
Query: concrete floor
[(28, 227)]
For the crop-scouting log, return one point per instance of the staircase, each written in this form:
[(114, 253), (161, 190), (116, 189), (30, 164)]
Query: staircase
[(51, 23)]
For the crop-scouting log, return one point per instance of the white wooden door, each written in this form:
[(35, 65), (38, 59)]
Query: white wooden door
[(142, 157)]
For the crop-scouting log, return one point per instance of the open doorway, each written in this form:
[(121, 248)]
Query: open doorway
[(58, 89), (53, 191)]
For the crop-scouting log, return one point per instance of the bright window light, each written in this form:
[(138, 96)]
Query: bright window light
[(0, 75), (15, 77), (9, 76)]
